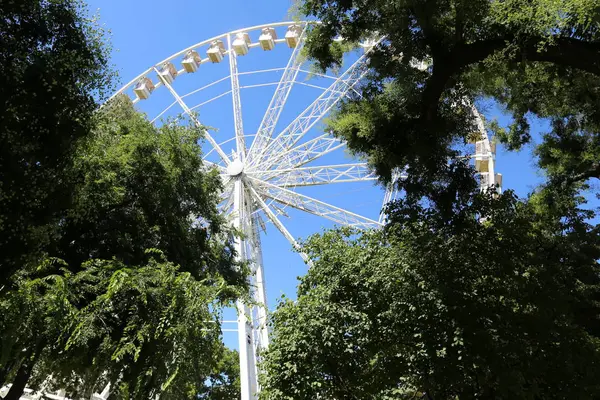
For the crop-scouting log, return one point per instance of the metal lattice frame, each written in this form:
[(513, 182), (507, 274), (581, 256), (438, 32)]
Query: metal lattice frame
[(260, 179)]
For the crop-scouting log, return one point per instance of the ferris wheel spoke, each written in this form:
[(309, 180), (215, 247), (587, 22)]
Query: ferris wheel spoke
[(312, 114), (187, 110), (237, 104), (314, 206), (278, 224), (226, 204), (269, 121), (321, 175), (391, 193), (211, 165), (302, 154)]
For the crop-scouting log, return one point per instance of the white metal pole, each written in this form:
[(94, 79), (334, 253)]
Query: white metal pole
[(260, 293), (248, 381)]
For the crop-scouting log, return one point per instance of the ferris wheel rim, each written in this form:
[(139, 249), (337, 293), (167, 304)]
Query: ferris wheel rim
[(179, 53)]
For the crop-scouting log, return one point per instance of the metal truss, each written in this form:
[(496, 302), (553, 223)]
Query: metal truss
[(268, 156), (391, 193), (313, 206), (305, 153), (237, 102), (269, 121), (318, 175)]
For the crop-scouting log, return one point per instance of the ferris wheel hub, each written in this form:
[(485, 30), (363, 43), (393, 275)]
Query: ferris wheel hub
[(235, 168)]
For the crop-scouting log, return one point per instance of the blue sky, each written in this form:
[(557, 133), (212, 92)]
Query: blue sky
[(146, 32)]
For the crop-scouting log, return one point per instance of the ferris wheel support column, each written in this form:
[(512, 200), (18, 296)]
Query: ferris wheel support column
[(260, 293), (248, 378)]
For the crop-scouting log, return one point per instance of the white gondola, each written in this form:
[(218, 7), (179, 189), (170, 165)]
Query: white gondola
[(499, 180), (481, 148), (167, 73), (215, 51), (482, 163), (267, 38), (485, 180), (241, 43), (292, 36), (192, 61), (143, 88)]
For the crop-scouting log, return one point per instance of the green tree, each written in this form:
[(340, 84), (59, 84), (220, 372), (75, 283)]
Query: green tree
[(440, 308), (462, 295), (538, 58), (53, 68), (143, 265), (224, 382)]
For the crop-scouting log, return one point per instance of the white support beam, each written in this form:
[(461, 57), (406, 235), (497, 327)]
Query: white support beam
[(302, 154), (260, 292), (313, 206), (491, 174), (279, 225), (311, 115), (237, 103), (319, 175), (391, 192), (248, 373), (271, 116), (205, 132)]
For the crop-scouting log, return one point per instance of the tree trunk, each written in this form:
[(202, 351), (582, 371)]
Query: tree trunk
[(20, 381), (4, 373), (23, 374)]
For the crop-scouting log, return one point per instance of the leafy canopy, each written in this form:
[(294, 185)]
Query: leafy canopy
[(53, 69), (445, 308), (537, 58), (143, 265)]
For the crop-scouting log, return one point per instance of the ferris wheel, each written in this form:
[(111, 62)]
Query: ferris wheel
[(265, 170)]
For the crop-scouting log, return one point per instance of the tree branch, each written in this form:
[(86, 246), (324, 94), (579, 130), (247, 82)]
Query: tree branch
[(592, 172), (566, 52)]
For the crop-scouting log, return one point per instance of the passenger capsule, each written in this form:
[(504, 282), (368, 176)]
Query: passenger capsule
[(143, 88), (292, 36), (267, 38), (241, 43), (215, 51), (192, 61), (167, 73)]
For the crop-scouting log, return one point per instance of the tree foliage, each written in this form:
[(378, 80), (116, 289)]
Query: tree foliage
[(445, 308), (114, 261), (53, 68), (535, 58), (463, 294), (142, 265)]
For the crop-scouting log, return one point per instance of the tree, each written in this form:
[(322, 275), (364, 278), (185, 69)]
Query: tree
[(53, 68), (143, 263), (463, 295), (536, 58), (149, 330), (224, 382), (440, 308)]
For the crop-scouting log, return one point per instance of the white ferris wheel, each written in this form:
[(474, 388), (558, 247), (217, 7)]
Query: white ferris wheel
[(265, 170)]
